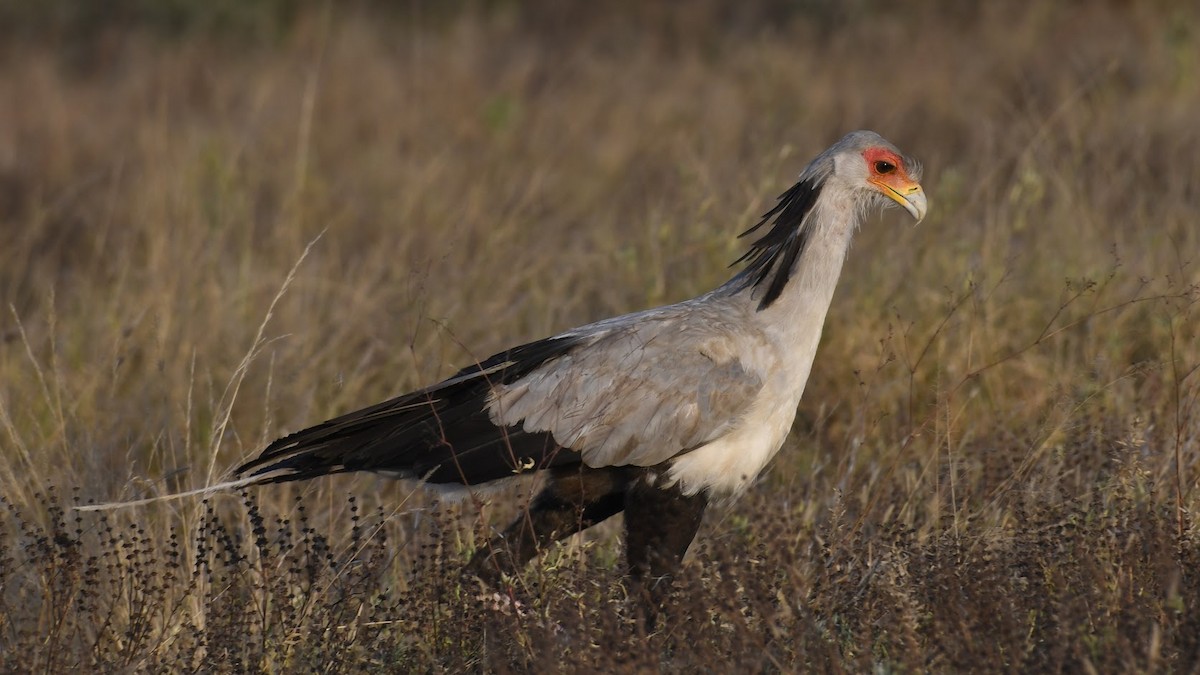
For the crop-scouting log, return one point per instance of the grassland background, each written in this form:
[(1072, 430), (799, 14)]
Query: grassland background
[(995, 464)]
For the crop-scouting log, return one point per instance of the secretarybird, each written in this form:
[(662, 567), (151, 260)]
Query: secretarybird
[(653, 413)]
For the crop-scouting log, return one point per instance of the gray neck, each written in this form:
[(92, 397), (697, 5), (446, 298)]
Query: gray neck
[(794, 320)]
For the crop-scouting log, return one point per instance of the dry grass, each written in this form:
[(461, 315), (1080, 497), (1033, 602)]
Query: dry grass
[(995, 465)]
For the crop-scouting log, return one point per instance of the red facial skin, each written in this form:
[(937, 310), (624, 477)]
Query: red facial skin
[(886, 170)]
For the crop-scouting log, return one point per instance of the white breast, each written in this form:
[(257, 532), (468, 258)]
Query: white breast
[(728, 465)]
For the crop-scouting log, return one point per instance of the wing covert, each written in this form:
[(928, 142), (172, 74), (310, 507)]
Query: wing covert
[(638, 396)]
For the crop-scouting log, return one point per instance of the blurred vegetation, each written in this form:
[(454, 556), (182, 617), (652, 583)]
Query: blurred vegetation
[(223, 221), (266, 18), (83, 20)]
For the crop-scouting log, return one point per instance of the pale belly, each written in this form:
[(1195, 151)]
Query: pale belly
[(728, 465)]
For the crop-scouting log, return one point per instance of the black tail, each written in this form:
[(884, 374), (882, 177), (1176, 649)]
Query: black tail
[(440, 434)]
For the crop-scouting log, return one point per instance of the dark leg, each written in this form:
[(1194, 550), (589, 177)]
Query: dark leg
[(659, 526), (573, 500)]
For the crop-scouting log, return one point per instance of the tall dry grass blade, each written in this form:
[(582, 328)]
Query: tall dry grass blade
[(229, 396)]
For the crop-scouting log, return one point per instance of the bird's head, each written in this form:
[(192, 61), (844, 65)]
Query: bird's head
[(875, 171), (858, 173)]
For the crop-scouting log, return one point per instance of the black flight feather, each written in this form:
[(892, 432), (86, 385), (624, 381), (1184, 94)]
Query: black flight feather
[(442, 433)]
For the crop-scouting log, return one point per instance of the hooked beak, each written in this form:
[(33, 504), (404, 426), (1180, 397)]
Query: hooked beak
[(907, 194)]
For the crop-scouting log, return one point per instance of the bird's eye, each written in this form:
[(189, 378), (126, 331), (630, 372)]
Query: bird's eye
[(884, 167)]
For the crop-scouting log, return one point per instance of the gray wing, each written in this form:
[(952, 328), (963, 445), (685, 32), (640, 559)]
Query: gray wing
[(640, 394)]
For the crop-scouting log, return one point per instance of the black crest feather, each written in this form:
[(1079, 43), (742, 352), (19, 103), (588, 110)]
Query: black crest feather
[(772, 256)]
